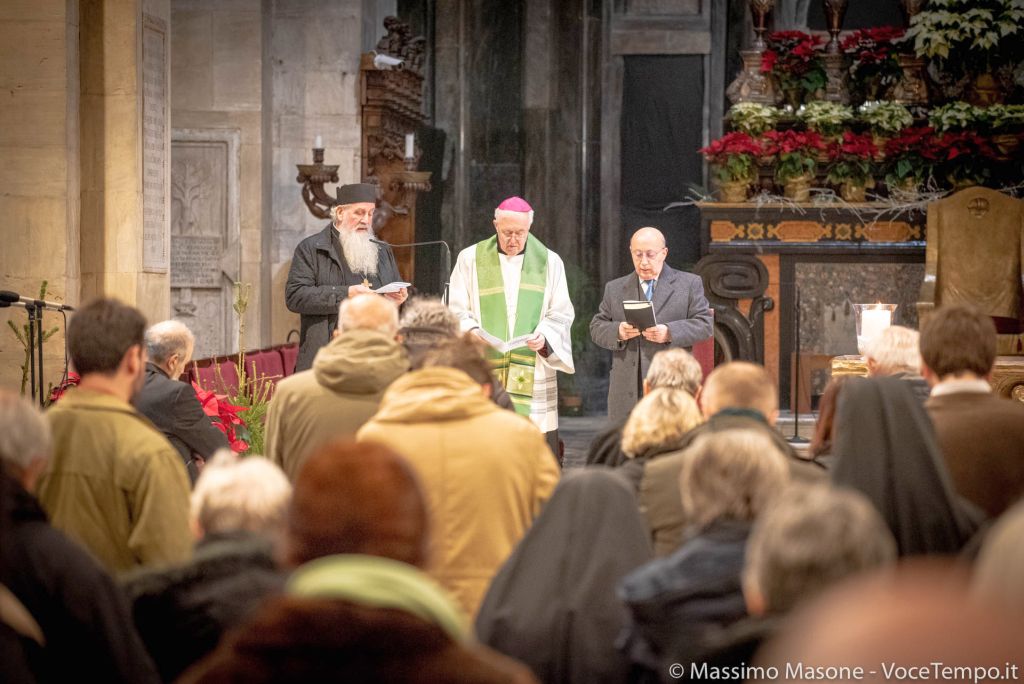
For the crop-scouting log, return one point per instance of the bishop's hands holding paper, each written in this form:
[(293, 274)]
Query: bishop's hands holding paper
[(678, 311), (340, 261), (511, 290)]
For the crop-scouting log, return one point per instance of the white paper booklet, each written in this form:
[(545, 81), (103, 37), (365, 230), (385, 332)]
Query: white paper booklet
[(391, 287), (500, 345)]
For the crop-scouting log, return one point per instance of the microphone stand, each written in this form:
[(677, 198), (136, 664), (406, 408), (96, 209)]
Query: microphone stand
[(446, 276), (796, 438), (34, 342)]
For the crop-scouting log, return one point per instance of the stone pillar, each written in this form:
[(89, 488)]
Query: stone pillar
[(125, 146), (39, 176)]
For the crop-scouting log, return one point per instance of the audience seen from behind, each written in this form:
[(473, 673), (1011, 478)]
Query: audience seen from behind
[(981, 434), (425, 323), (358, 606), (449, 355), (115, 484), (237, 514), (172, 405), (553, 605), (61, 616), (343, 388), (676, 603), (895, 352), (486, 472), (659, 424), (998, 576), (885, 447), (824, 429), (671, 368)]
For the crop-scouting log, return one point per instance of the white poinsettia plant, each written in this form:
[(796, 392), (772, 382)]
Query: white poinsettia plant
[(968, 32), (885, 116), (958, 116), (753, 117), (827, 118)]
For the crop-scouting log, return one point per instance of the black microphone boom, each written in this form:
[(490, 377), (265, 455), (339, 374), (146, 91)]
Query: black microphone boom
[(425, 243), (14, 298)]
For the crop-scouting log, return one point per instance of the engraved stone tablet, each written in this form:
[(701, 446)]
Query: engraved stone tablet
[(195, 261), (155, 221)]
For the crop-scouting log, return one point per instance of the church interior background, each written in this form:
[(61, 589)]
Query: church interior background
[(151, 151)]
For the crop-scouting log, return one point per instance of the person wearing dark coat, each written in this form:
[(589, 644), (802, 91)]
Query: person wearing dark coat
[(182, 611), (338, 262), (884, 446), (172, 405), (557, 612)]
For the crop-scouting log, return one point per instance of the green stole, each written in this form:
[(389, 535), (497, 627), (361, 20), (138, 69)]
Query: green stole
[(514, 368)]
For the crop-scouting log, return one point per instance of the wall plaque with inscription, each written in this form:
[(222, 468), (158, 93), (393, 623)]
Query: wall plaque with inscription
[(195, 261), (155, 187)]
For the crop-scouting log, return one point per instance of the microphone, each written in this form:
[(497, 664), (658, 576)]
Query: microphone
[(8, 298), (447, 259)]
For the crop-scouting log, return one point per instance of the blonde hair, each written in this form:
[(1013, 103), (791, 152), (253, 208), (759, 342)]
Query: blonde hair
[(895, 350), (731, 475), (740, 384), (675, 368), (235, 493), (660, 419)]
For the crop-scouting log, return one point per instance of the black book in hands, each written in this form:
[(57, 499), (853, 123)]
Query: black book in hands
[(640, 314)]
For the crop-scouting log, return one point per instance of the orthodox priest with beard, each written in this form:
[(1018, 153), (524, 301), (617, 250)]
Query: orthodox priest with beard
[(338, 262), (511, 285)]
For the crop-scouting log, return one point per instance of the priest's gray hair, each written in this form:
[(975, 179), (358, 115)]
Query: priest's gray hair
[(24, 433), (240, 494), (675, 368), (809, 539), (167, 338), (731, 475), (368, 312), (498, 213), (895, 350)]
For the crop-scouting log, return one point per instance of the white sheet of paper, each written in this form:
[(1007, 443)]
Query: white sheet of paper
[(391, 287), (501, 345)]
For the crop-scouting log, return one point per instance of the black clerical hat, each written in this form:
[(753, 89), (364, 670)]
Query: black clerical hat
[(357, 192)]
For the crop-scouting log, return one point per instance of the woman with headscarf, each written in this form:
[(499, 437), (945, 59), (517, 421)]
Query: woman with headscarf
[(884, 446), (553, 604)]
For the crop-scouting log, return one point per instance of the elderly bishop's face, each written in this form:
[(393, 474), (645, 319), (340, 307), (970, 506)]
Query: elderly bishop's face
[(355, 218), (513, 229)]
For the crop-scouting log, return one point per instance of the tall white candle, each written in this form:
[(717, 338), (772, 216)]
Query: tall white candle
[(873, 322), (319, 142), (410, 146)]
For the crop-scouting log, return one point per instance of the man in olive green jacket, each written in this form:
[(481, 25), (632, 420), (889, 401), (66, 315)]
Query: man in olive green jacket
[(114, 484)]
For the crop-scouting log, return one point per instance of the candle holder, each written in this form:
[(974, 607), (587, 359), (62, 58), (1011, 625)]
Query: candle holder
[(835, 11), (313, 177), (871, 321)]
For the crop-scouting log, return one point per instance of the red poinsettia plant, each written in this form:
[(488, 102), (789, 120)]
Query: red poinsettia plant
[(853, 159), (794, 152), (966, 157), (793, 58), (911, 155), (874, 65), (733, 156), (60, 390), (225, 417)]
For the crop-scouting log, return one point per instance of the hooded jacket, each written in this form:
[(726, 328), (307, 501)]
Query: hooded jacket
[(486, 473), (334, 398)]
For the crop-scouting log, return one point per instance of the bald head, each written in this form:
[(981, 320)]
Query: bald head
[(740, 385), (170, 344), (368, 312), (647, 248)]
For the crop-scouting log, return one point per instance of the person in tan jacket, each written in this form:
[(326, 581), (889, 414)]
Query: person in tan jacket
[(486, 472), (342, 390), (114, 484)]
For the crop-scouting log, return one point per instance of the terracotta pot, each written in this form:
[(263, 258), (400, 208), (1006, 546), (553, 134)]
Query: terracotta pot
[(960, 183), (853, 192), (794, 97), (985, 91), (879, 140), (1007, 144), (908, 188), (733, 191), (798, 189)]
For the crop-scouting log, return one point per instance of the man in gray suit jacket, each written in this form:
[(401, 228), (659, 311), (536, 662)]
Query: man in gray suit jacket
[(679, 306)]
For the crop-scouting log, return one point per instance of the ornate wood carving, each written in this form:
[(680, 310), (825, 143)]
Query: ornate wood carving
[(727, 280)]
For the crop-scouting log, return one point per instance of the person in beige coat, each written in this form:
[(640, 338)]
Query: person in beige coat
[(344, 387), (486, 471)]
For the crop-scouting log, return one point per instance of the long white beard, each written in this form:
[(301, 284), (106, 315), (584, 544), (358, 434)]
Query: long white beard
[(360, 253)]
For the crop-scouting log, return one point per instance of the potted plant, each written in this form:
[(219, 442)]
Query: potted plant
[(884, 119), (967, 158), (852, 167), (795, 155), (793, 59), (753, 118), (827, 118), (1006, 122), (733, 157), (958, 116), (874, 66), (910, 157), (972, 38)]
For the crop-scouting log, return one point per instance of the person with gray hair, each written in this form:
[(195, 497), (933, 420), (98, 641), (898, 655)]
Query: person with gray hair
[(895, 352), (677, 602), (670, 368), (69, 618), (425, 322), (343, 388), (238, 511), (171, 405)]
